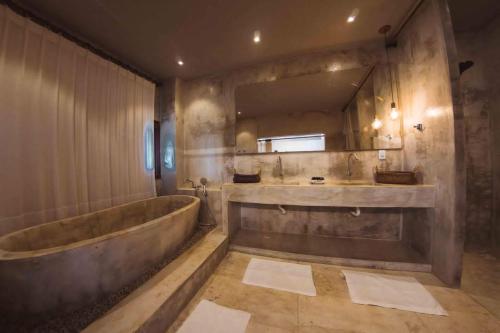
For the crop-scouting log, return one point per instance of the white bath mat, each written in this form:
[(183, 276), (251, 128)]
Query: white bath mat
[(209, 317), (279, 275), (398, 292)]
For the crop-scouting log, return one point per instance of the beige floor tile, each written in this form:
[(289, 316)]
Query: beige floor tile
[(492, 304), (255, 327), (233, 265), (332, 310), (455, 300), (267, 306), (461, 322), (318, 329), (331, 313), (481, 280)]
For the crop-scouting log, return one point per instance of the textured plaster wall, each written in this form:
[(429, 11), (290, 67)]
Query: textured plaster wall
[(207, 109), (428, 76), (209, 121), (165, 101), (427, 89), (492, 53), (323, 221), (480, 88), (476, 99)]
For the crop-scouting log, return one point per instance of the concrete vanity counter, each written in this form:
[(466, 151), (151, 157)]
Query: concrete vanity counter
[(332, 194), (250, 233)]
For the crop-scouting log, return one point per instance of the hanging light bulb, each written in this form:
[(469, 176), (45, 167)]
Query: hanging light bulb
[(394, 111), (256, 36), (376, 124)]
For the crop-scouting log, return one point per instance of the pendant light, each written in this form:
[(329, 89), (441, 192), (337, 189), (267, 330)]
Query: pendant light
[(394, 110), (376, 124)]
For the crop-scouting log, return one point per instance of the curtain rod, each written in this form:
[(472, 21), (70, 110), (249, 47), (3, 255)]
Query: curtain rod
[(86, 45)]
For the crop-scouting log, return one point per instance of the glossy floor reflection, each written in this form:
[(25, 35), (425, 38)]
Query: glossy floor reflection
[(332, 310)]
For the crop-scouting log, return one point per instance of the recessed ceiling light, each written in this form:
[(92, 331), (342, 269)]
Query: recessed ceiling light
[(239, 112), (180, 62), (333, 67), (353, 15), (256, 36)]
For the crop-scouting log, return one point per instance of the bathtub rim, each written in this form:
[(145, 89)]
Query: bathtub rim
[(16, 255)]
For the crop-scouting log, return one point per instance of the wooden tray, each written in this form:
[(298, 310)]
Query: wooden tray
[(396, 177)]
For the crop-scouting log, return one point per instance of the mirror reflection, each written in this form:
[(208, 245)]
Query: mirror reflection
[(330, 111)]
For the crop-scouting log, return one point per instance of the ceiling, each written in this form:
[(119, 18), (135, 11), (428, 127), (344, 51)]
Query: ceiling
[(213, 36), (329, 91), (473, 15)]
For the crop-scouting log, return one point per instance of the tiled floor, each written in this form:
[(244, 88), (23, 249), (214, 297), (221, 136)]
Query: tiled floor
[(481, 280), (331, 310)]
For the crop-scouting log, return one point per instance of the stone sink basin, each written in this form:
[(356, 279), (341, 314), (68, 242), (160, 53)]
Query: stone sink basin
[(353, 182), (339, 182), (282, 183)]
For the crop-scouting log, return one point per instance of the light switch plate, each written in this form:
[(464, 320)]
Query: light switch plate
[(381, 155)]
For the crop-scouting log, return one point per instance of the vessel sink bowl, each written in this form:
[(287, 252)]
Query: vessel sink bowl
[(282, 183), (353, 182)]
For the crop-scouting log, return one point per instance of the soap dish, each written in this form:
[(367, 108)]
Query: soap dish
[(317, 180)]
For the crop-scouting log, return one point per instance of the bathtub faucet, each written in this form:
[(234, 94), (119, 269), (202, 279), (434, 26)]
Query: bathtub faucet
[(204, 182)]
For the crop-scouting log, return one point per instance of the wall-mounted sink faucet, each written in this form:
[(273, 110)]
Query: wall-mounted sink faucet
[(349, 158), (279, 167)]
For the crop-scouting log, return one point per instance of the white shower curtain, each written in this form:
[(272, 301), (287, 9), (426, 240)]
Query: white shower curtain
[(72, 128)]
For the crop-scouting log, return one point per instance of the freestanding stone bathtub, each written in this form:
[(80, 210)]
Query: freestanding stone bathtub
[(66, 264)]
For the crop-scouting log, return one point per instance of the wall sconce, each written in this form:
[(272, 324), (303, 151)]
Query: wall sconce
[(419, 127)]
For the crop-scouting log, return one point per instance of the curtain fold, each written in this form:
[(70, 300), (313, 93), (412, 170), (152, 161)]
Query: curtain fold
[(72, 128)]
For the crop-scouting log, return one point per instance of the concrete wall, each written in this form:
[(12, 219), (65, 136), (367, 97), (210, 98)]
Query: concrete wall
[(209, 121), (492, 53), (168, 117), (480, 88), (209, 124), (428, 77), (323, 221), (427, 87)]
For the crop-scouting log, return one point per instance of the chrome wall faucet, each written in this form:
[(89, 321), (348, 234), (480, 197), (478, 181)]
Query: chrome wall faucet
[(279, 166), (349, 158)]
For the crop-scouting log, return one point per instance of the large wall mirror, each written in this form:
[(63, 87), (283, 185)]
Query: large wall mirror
[(330, 111)]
